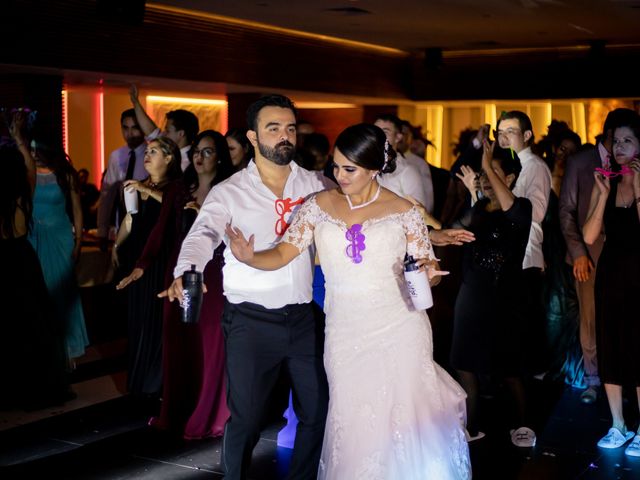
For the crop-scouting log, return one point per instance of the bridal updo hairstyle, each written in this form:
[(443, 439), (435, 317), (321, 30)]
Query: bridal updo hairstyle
[(365, 144)]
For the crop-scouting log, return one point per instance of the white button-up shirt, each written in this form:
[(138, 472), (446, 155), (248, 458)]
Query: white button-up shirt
[(534, 183), (425, 178), (245, 202), (112, 180), (404, 180)]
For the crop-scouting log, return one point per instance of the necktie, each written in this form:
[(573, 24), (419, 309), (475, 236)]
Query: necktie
[(131, 165)]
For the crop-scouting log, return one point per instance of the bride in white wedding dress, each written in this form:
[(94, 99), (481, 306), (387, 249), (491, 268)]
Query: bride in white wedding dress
[(393, 412)]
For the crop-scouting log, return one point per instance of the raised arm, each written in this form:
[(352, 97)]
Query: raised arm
[(503, 192), (147, 125), (469, 179), (16, 130)]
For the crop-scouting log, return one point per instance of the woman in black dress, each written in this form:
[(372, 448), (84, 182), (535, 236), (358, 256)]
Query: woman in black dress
[(615, 206), (489, 327), (144, 310)]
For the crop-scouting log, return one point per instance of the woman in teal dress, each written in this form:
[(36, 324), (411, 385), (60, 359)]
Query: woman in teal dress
[(56, 235)]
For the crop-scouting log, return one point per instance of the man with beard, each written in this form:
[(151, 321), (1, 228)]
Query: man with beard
[(125, 163), (268, 321)]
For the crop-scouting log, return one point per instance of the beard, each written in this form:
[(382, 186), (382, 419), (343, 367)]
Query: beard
[(281, 154)]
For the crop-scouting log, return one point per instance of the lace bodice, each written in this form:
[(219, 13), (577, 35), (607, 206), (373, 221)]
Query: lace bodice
[(416, 241)]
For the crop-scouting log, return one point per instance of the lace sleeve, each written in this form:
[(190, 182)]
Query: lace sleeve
[(300, 232), (418, 243)]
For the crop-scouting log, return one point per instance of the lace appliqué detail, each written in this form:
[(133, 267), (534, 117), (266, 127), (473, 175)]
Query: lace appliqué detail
[(371, 468), (418, 243), (300, 232), (399, 421)]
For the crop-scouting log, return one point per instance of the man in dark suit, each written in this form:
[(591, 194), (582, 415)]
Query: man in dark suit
[(574, 205)]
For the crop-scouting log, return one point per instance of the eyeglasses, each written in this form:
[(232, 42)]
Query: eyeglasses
[(508, 132), (205, 152)]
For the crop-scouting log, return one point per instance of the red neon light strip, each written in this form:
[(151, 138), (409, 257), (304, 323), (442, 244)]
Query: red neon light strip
[(98, 137)]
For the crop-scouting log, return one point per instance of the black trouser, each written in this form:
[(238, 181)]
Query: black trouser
[(259, 342)]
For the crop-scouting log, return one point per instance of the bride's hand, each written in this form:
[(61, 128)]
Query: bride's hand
[(433, 270), (241, 248)]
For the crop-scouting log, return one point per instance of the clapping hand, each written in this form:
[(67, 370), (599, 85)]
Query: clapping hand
[(241, 248), (469, 178)]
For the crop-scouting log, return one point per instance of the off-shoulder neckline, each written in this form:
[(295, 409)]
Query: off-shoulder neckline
[(367, 222)]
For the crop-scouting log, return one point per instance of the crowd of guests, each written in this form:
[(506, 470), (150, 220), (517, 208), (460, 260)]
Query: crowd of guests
[(542, 241)]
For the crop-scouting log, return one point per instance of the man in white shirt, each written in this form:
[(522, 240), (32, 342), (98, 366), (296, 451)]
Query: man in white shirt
[(268, 321), (419, 162), (406, 179), (181, 126), (514, 130), (126, 162)]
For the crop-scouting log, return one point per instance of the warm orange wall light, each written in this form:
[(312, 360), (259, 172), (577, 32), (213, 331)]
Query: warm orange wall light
[(212, 113)]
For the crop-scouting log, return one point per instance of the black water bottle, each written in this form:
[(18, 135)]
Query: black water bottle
[(191, 295)]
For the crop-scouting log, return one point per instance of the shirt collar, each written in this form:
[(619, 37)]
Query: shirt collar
[(254, 175), (525, 155)]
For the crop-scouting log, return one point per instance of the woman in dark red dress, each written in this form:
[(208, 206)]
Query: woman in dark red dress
[(193, 394)]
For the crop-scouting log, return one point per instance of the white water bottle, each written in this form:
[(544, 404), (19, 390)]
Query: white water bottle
[(417, 284)]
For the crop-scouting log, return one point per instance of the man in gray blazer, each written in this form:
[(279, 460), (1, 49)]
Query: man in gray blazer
[(575, 196)]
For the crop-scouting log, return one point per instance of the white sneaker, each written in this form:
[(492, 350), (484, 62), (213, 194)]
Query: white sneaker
[(523, 437)]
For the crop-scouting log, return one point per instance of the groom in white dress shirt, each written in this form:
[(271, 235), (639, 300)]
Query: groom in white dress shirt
[(268, 322)]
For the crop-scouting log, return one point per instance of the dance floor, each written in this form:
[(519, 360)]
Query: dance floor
[(102, 434), (110, 439)]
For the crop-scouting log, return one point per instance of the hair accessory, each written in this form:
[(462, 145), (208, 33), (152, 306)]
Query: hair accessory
[(607, 172), (356, 245)]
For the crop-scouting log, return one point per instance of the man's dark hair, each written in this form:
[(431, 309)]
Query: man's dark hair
[(185, 120), (129, 113), (523, 120), (273, 100), (390, 117)]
